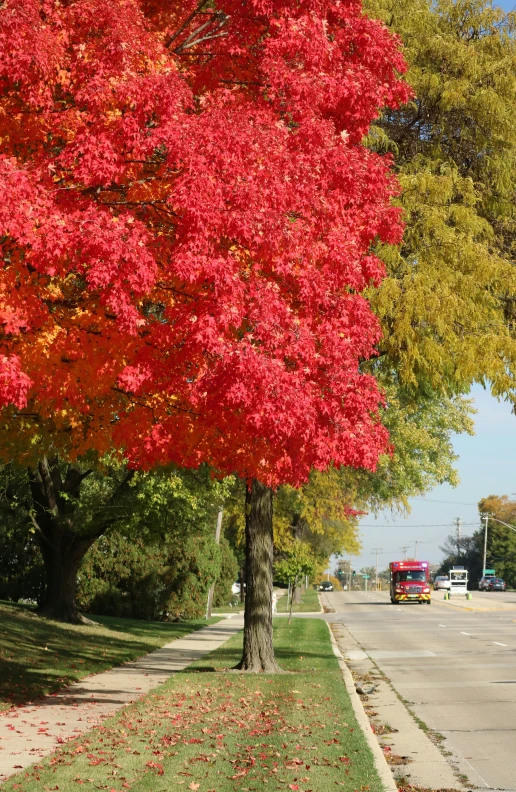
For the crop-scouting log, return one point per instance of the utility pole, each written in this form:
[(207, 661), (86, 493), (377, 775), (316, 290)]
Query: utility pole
[(350, 575), (458, 523), (404, 551), (415, 548), (484, 562), (212, 587), (376, 550)]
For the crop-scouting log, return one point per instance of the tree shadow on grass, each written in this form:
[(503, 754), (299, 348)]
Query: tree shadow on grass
[(292, 659), (38, 657)]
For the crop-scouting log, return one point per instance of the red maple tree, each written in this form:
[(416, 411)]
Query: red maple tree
[(187, 214)]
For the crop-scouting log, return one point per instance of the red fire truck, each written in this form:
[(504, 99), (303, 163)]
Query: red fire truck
[(409, 582)]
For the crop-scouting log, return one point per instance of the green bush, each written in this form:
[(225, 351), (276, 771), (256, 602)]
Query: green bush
[(123, 576), (228, 574)]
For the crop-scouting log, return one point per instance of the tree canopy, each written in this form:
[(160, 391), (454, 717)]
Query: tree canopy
[(187, 216), (447, 304)]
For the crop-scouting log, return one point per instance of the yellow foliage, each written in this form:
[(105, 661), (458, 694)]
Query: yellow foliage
[(447, 305)]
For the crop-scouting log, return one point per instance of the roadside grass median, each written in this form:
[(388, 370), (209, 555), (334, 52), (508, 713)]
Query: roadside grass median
[(309, 603), (212, 730), (39, 656)]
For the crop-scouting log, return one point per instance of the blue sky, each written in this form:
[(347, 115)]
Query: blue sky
[(486, 465)]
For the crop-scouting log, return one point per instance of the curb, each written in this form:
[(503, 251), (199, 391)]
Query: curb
[(450, 604), (328, 606), (380, 762)]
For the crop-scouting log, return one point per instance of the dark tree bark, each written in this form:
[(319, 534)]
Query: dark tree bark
[(258, 653), (62, 546), (62, 560)]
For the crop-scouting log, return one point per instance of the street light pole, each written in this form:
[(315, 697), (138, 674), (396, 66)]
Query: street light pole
[(495, 519), (458, 523), (484, 562), (212, 587), (503, 523)]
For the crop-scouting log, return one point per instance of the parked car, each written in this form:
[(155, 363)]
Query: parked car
[(326, 586), (491, 584), (441, 582)]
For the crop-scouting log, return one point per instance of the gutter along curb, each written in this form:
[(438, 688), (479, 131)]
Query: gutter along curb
[(380, 762)]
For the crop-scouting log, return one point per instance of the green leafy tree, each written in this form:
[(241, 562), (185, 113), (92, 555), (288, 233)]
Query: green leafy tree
[(447, 306), (129, 577), (467, 552), (298, 564), (501, 541), (228, 574), (62, 509), (64, 522)]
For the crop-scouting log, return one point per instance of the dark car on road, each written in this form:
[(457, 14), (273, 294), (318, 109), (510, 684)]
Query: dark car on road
[(491, 584), (326, 586)]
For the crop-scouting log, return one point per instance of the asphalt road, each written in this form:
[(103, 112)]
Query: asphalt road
[(456, 668)]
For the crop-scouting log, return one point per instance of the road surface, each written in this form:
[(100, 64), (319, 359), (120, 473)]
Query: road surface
[(455, 667)]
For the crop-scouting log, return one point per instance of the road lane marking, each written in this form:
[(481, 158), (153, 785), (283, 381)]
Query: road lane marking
[(442, 625), (499, 644), (463, 633)]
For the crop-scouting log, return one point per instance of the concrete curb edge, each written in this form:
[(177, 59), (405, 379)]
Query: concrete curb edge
[(381, 764)]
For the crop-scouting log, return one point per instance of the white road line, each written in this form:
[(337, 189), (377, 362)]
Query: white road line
[(499, 644), (442, 625), (463, 633)]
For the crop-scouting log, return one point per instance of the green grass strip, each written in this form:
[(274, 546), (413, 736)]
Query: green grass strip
[(309, 603), (38, 656), (212, 730)]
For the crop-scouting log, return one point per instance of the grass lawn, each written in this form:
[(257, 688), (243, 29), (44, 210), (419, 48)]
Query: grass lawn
[(38, 656), (210, 730), (309, 603)]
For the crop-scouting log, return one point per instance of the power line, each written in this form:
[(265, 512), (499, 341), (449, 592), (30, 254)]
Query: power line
[(396, 549), (434, 500), (404, 550), (403, 525)]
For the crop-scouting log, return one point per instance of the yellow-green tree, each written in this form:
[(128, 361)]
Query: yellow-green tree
[(448, 303)]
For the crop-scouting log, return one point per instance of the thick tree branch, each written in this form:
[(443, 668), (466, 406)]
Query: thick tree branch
[(185, 24), (199, 41), (194, 39)]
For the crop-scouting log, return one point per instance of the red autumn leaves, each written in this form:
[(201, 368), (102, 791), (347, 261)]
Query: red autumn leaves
[(187, 223)]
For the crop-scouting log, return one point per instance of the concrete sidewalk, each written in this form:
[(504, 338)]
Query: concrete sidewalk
[(34, 731)]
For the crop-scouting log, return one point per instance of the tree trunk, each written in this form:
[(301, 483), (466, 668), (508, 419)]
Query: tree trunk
[(62, 561), (258, 654), (62, 544), (61, 548)]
